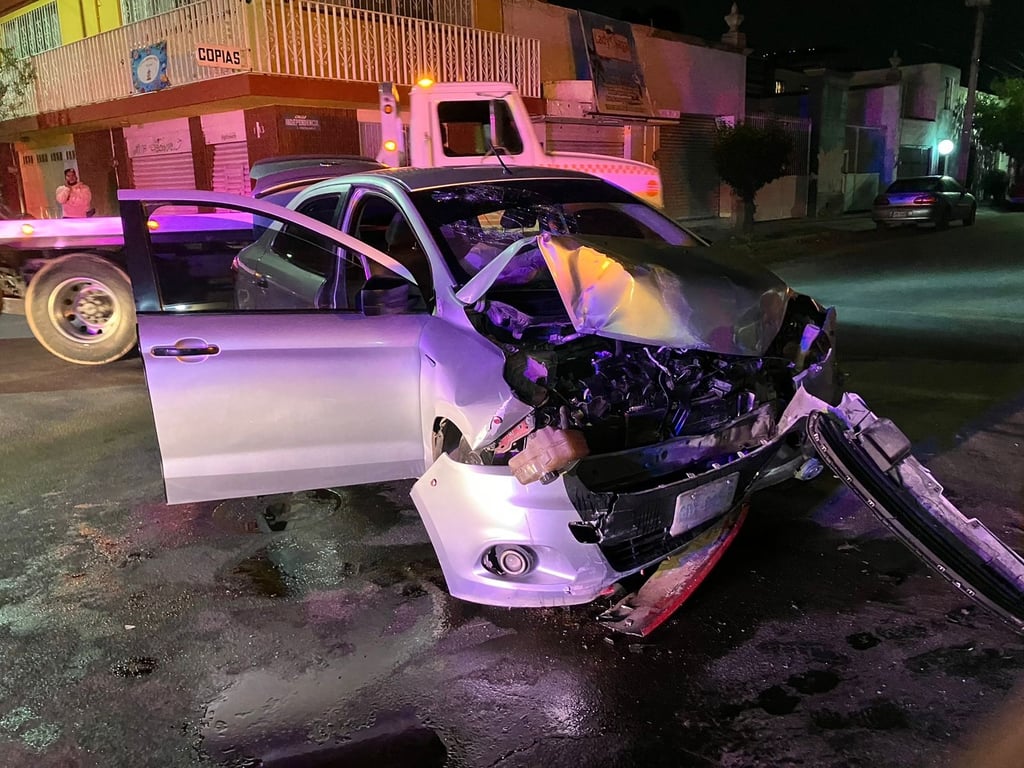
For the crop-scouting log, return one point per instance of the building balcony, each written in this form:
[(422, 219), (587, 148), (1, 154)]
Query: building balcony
[(297, 38)]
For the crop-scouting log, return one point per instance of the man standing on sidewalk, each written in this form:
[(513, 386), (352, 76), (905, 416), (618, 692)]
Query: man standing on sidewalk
[(74, 196)]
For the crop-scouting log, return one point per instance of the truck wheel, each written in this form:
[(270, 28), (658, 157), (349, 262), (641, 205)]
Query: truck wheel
[(80, 307)]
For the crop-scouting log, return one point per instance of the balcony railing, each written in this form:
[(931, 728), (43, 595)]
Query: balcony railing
[(283, 37)]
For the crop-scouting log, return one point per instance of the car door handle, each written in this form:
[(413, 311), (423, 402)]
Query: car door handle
[(260, 280), (184, 351)]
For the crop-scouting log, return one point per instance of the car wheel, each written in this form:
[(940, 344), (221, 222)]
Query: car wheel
[(971, 216), (942, 221), (881, 225), (80, 307)]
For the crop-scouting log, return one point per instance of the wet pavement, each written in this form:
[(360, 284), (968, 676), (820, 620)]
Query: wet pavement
[(315, 630)]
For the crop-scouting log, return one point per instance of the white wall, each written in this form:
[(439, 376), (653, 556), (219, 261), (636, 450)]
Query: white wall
[(550, 25), (689, 78)]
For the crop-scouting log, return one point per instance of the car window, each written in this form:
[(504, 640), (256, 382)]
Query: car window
[(293, 242), (217, 261), (472, 224), (921, 184), (951, 185), (377, 221), (476, 128)]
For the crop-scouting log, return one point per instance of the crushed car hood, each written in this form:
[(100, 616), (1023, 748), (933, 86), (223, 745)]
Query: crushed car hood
[(633, 290)]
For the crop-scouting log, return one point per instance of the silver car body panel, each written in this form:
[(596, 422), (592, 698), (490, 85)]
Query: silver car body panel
[(227, 429)]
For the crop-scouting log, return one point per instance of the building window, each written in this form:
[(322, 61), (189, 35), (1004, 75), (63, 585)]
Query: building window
[(139, 10), (780, 87), (446, 11), (32, 32)]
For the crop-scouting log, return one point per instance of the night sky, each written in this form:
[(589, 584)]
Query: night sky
[(922, 30)]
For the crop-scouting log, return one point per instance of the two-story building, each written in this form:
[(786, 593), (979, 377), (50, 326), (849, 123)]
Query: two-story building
[(165, 93), (171, 93)]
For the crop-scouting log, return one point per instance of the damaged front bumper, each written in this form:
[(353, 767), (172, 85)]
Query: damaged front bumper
[(571, 540)]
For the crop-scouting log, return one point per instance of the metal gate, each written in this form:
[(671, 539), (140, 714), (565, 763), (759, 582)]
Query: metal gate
[(165, 171), (688, 176), (231, 168)]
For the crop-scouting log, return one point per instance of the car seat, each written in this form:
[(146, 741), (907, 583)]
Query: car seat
[(403, 248)]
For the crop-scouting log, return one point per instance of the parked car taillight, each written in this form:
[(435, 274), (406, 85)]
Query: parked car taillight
[(924, 199), (881, 200)]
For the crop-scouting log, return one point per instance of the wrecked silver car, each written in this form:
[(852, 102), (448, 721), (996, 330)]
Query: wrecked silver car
[(585, 392)]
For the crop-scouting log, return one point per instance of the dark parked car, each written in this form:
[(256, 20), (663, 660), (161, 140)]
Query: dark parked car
[(934, 200), (1015, 195)]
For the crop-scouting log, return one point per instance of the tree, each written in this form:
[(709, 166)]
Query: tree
[(747, 157), (999, 120), (16, 76)]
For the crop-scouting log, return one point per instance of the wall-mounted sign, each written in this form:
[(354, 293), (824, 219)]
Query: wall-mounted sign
[(149, 68), (302, 123), (219, 56), (605, 52)]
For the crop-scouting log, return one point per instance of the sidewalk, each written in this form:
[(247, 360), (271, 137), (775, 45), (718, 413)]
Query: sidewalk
[(722, 229)]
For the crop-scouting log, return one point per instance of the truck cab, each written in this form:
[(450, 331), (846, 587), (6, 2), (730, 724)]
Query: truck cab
[(475, 123)]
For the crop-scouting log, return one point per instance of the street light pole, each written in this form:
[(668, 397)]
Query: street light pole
[(963, 157)]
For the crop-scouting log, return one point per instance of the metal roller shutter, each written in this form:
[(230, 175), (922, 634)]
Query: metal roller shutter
[(231, 168), (688, 176), (170, 171), (584, 137)]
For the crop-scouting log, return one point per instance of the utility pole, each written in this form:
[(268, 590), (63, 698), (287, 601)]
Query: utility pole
[(964, 155)]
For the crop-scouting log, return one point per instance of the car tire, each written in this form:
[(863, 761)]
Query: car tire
[(80, 308), (942, 221), (971, 216), (881, 225)]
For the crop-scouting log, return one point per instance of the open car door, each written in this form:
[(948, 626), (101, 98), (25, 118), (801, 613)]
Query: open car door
[(256, 399)]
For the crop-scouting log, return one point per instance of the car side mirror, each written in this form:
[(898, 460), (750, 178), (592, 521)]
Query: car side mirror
[(384, 296)]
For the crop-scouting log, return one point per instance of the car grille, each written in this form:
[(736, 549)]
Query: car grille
[(648, 545)]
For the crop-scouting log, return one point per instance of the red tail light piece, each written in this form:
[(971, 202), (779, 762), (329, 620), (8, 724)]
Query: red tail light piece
[(924, 199)]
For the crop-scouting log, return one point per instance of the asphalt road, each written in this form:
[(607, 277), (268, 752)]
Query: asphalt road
[(133, 633)]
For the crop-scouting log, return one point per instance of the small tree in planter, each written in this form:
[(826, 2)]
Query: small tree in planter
[(747, 157), (16, 76)]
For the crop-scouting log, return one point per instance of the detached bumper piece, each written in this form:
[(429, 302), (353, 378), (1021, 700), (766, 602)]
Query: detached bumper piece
[(872, 456), (675, 580)]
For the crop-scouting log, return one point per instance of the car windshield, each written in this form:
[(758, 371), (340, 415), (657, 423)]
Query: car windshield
[(473, 223), (914, 185)]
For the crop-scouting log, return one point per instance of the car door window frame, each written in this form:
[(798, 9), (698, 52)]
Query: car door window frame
[(351, 222), (135, 206)]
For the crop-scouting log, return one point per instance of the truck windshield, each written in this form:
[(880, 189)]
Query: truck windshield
[(473, 223)]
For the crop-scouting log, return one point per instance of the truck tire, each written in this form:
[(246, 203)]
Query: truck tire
[(80, 307)]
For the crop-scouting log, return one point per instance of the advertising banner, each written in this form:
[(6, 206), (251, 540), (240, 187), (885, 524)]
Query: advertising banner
[(609, 49)]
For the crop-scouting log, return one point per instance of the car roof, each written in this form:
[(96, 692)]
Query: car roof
[(415, 179), (294, 177)]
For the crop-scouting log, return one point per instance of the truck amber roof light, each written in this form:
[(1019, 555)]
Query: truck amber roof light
[(425, 82), (27, 229), (390, 145), (153, 224)]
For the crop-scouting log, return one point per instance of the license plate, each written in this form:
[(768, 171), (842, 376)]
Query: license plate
[(701, 504), (899, 214)]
